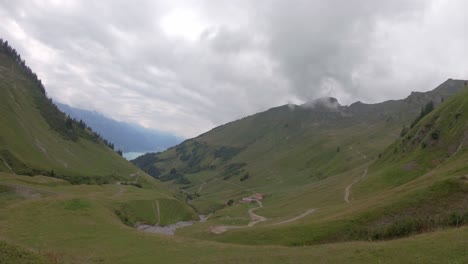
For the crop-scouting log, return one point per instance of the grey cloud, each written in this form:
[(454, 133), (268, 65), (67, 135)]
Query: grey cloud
[(224, 40), (114, 57), (319, 43)]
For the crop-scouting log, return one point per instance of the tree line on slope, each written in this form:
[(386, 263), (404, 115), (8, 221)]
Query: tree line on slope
[(69, 128), (429, 107)]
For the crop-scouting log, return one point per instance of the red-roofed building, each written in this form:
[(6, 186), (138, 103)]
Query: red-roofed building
[(257, 196)]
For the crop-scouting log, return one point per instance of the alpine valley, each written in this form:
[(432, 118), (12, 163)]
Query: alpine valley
[(318, 182)]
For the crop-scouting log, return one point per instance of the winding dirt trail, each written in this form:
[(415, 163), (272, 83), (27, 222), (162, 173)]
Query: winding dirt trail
[(120, 192), (254, 219), (297, 217), (27, 188), (460, 145), (6, 164), (157, 211), (348, 188), (201, 187)]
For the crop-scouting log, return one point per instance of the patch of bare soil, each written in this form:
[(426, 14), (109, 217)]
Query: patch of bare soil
[(27, 193), (410, 166)]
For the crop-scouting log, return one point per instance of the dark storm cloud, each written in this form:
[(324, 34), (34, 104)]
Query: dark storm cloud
[(186, 66)]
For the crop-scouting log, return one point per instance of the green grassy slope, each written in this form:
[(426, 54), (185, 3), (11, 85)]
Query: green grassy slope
[(435, 140), (285, 148), (305, 159), (14, 254), (418, 184), (75, 224), (35, 137)]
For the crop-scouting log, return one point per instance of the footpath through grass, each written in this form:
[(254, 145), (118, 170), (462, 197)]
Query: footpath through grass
[(82, 228)]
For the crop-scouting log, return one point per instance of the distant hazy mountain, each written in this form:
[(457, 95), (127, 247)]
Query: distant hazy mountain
[(125, 136)]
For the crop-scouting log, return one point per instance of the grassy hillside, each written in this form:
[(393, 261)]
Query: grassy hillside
[(436, 139), (36, 138), (307, 158), (335, 178), (14, 254), (76, 224), (285, 147), (418, 184)]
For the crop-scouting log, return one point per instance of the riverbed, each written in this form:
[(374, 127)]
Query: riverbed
[(169, 229)]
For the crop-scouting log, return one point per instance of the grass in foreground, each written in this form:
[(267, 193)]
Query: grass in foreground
[(13, 254), (82, 228)]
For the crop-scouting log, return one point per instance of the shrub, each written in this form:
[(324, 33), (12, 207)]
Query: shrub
[(424, 111), (245, 177), (226, 153), (232, 170), (136, 184), (457, 219), (403, 228), (404, 131), (182, 180), (124, 217)]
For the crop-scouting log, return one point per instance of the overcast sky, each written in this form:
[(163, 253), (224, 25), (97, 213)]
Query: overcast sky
[(187, 66)]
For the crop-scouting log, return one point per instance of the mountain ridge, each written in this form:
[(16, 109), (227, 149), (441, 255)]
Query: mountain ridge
[(447, 88), (337, 180), (127, 137), (300, 144)]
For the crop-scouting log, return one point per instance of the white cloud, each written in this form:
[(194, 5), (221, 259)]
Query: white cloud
[(186, 66), (185, 24)]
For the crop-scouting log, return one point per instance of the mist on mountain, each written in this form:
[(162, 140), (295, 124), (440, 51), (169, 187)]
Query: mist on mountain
[(130, 138)]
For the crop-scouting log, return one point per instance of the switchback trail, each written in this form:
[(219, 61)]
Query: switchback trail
[(254, 219), (348, 188)]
